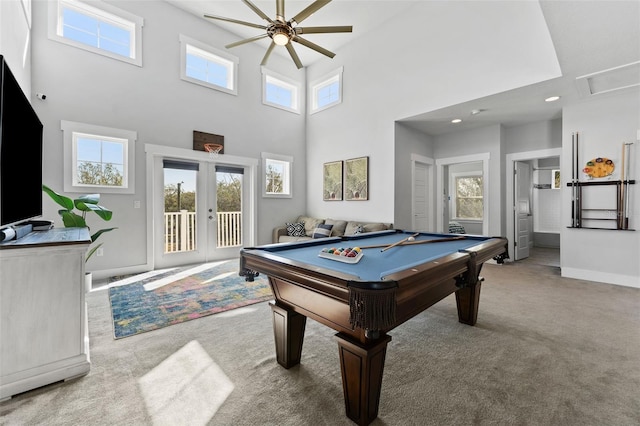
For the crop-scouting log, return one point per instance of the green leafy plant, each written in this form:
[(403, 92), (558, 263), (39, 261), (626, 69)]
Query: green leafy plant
[(84, 204)]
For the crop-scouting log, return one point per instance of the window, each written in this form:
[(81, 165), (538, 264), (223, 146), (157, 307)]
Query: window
[(468, 193), (327, 91), (280, 92), (277, 175), (207, 66), (100, 28), (98, 159)]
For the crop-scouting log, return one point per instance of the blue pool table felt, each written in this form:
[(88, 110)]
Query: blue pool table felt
[(377, 264)]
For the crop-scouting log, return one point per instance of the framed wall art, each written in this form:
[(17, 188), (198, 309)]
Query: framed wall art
[(356, 179), (332, 181)]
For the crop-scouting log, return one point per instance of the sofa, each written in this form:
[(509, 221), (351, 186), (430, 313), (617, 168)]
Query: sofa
[(306, 228)]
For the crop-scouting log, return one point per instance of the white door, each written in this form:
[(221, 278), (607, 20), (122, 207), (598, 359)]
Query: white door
[(199, 212), (522, 209), (420, 197)]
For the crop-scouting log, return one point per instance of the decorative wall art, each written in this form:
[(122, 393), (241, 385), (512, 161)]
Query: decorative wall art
[(356, 179), (332, 181)]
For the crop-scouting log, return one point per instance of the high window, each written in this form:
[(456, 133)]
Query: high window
[(97, 27), (98, 159), (326, 91), (208, 66), (468, 194), (280, 92), (277, 175)]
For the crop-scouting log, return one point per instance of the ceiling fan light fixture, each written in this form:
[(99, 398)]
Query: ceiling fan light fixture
[(280, 37)]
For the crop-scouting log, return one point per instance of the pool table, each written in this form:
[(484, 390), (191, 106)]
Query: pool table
[(364, 298)]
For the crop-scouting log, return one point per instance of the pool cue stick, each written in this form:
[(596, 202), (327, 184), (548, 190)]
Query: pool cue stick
[(578, 190), (626, 185), (400, 242), (408, 243), (573, 180), (621, 194)]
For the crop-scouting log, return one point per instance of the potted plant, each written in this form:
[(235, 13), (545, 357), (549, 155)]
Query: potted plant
[(84, 204)]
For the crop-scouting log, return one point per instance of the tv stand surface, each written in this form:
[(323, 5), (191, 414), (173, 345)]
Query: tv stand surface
[(43, 316)]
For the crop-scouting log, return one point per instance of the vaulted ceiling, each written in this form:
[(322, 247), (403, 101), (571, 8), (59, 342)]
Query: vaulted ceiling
[(590, 38)]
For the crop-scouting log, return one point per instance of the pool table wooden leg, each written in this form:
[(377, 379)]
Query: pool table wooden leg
[(467, 300), (362, 367), (288, 331)]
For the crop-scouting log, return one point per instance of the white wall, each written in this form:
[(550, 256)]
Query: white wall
[(444, 54), (604, 123), (14, 42), (407, 141), (164, 110)]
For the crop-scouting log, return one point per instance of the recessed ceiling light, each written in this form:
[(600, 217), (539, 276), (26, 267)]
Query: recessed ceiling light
[(476, 111), (456, 120), (552, 98)]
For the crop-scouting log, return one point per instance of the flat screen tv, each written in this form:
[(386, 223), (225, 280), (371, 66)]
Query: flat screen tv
[(20, 153)]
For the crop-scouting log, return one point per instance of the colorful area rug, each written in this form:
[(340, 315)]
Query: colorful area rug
[(158, 299)]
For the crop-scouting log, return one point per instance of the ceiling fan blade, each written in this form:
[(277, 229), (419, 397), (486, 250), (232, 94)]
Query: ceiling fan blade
[(313, 46), (266, 55), (320, 30), (257, 11), (309, 10), (235, 21), (294, 55), (280, 10), (247, 40)]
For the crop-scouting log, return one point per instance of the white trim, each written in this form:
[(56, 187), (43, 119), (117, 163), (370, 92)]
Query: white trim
[(509, 201), (69, 128), (154, 152), (285, 83), (440, 163), (288, 179), (599, 277), (321, 82), (119, 17), (223, 58), (453, 192)]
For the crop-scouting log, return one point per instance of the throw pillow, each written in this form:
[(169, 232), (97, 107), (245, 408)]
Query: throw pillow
[(359, 230), (339, 226), (322, 231), (295, 229)]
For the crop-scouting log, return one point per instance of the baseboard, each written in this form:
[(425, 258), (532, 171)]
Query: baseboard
[(601, 277), (108, 273)]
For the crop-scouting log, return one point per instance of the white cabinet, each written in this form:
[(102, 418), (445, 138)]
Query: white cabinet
[(43, 315)]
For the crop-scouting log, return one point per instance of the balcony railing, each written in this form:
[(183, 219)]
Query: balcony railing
[(180, 230)]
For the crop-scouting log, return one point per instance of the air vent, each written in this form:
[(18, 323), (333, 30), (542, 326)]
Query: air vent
[(617, 78)]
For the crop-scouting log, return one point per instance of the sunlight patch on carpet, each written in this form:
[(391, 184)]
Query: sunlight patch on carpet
[(182, 295), (188, 386)]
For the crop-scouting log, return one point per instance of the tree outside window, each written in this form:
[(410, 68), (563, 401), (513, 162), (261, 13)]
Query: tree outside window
[(469, 197), (276, 175)]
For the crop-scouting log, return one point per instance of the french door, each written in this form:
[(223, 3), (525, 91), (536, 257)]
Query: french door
[(202, 210)]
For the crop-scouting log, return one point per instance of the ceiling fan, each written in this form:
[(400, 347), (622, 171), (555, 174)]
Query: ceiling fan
[(283, 32)]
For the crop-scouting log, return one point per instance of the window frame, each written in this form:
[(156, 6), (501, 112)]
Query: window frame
[(322, 82), (288, 179), (284, 83), (453, 190), (105, 13), (71, 130), (211, 54)]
